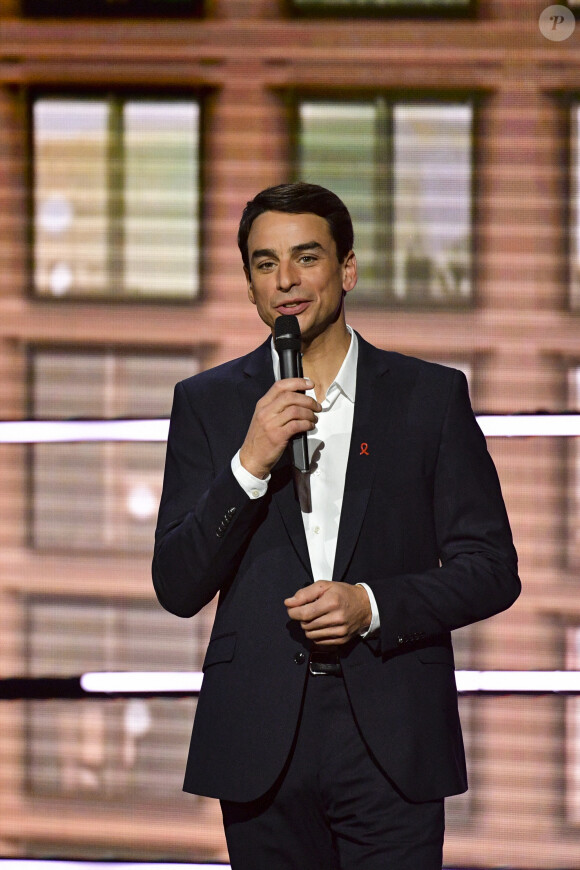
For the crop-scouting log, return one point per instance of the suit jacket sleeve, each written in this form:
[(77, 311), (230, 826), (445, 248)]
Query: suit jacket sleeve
[(477, 573), (205, 517)]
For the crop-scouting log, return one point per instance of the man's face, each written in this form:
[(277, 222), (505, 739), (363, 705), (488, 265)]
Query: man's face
[(295, 270)]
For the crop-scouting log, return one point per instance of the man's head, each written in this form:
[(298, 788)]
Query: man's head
[(296, 240), (299, 198)]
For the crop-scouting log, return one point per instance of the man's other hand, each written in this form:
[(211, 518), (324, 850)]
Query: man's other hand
[(330, 613)]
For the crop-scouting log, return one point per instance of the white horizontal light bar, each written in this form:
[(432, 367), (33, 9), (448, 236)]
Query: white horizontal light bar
[(518, 681), (467, 681), (48, 864), (47, 431), (142, 681), (526, 425), (39, 864)]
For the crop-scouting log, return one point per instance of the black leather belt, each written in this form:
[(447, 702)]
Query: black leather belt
[(324, 664)]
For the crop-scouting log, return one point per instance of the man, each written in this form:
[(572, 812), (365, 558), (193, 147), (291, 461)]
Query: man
[(327, 723)]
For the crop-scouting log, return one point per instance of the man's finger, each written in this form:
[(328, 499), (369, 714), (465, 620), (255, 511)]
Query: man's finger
[(306, 613), (307, 594), (336, 634)]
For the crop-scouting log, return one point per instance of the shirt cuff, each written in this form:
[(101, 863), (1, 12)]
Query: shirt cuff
[(375, 618), (254, 487)]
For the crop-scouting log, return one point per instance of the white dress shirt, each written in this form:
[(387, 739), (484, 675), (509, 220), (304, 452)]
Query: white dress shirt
[(321, 488)]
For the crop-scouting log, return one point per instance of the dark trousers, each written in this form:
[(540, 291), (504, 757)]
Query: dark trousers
[(332, 808)]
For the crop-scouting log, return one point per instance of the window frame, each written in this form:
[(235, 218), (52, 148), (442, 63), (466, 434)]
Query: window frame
[(391, 98), (119, 96), (196, 352)]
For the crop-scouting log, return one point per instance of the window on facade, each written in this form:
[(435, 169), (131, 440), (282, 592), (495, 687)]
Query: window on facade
[(130, 748), (404, 171), (100, 496), (125, 8), (115, 198)]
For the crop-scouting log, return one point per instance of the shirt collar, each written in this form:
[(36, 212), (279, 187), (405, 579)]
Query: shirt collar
[(345, 380)]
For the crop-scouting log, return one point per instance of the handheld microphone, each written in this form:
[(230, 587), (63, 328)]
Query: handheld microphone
[(288, 344)]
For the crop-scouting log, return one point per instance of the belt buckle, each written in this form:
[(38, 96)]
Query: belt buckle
[(324, 664)]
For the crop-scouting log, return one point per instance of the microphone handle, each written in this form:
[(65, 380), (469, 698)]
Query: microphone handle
[(291, 367)]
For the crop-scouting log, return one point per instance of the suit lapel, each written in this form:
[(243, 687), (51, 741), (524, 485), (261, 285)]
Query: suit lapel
[(286, 500), (259, 377), (372, 431)]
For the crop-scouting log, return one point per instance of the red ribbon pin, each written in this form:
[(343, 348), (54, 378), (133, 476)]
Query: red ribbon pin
[(364, 449)]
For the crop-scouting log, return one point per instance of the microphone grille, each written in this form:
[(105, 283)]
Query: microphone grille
[(287, 333)]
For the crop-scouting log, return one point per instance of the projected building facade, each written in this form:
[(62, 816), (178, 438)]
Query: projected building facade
[(129, 144)]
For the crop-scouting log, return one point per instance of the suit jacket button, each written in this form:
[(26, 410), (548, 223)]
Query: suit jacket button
[(299, 657)]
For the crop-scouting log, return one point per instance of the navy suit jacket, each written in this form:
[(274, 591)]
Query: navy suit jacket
[(423, 523)]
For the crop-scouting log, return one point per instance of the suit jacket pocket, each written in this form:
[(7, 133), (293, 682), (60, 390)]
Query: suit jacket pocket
[(220, 649)]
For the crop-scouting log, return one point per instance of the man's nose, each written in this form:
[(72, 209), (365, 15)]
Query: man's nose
[(287, 276)]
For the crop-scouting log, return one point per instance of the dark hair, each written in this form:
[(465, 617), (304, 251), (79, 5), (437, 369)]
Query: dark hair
[(299, 198)]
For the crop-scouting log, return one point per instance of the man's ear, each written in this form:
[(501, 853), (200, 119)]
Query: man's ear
[(349, 272), (251, 296)]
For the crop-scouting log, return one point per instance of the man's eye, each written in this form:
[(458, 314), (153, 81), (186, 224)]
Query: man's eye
[(307, 258), (267, 264)]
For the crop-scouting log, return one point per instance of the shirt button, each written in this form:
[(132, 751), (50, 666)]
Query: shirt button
[(299, 657), (316, 530), (255, 493)]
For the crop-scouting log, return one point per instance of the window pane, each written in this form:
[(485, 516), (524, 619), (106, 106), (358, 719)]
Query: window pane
[(161, 199), (70, 196), (432, 181), (338, 150), (100, 496), (116, 198)]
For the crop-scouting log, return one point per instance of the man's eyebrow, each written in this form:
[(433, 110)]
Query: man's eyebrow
[(307, 246), (296, 249), (263, 252)]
